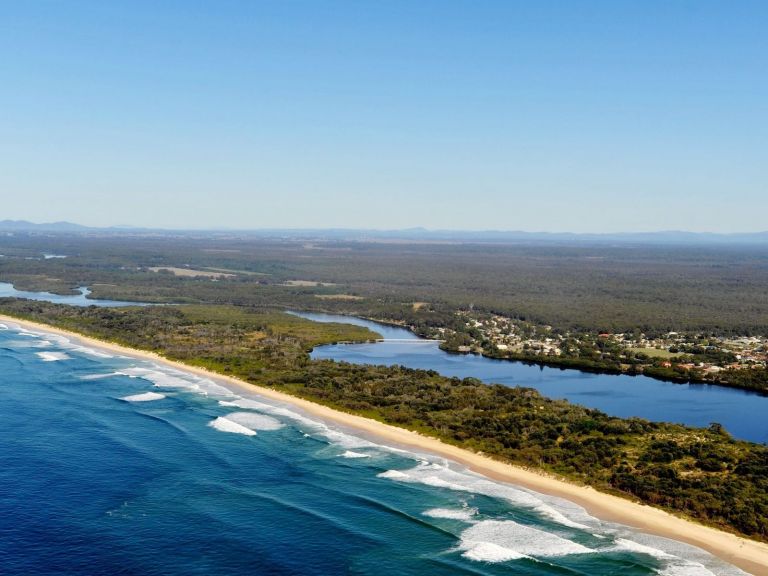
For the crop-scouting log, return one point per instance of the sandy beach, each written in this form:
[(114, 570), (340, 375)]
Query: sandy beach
[(747, 554)]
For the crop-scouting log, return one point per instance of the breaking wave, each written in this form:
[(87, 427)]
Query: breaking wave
[(52, 356), (226, 425), (466, 514), (347, 441), (169, 378), (144, 397), (441, 476), (353, 454), (499, 540), (255, 421)]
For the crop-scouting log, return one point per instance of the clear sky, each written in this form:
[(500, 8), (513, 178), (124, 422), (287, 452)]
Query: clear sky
[(516, 115)]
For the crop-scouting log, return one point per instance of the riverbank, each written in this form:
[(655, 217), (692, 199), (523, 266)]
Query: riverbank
[(738, 363), (746, 554), (615, 367), (590, 367)]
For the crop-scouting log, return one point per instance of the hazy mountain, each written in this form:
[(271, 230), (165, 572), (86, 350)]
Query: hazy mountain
[(24, 226), (415, 234)]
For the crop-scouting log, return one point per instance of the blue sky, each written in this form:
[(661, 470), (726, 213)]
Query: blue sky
[(539, 115)]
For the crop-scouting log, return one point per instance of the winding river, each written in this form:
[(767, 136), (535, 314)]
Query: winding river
[(742, 413), (8, 291)]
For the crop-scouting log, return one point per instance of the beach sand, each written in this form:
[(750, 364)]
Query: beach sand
[(748, 555)]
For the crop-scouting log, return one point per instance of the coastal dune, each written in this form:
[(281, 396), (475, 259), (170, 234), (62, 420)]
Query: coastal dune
[(747, 554)]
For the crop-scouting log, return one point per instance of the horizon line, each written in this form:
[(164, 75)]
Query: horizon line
[(64, 225)]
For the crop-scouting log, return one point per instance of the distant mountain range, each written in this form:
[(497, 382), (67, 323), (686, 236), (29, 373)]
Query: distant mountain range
[(24, 226), (413, 234)]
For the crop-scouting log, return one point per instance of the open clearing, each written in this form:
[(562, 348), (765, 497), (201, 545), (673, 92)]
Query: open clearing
[(655, 352), (307, 283), (338, 297), (191, 273)]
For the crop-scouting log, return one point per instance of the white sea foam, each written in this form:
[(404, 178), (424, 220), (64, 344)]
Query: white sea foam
[(145, 397), (247, 403), (29, 343), (159, 378), (353, 454), (58, 338), (67, 344), (490, 552), (348, 441), (441, 476), (251, 404), (499, 540), (52, 356), (255, 421), (28, 333), (466, 514), (677, 558), (318, 428), (394, 475), (622, 544), (169, 378), (686, 569), (225, 425), (92, 352), (51, 339), (3, 327), (513, 537), (104, 375)]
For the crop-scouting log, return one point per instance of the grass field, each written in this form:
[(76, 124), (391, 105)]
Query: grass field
[(655, 352)]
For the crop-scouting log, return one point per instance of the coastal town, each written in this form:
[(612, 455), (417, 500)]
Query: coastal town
[(676, 356)]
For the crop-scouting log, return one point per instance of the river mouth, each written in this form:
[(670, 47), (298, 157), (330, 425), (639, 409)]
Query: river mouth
[(741, 412)]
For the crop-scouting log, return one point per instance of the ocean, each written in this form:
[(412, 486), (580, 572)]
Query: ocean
[(113, 465)]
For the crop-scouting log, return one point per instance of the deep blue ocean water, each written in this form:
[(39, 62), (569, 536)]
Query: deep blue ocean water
[(742, 413), (112, 465)]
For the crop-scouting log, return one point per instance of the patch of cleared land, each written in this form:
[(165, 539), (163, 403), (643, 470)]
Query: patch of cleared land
[(419, 305), (338, 297), (655, 352), (307, 283), (191, 273), (233, 272)]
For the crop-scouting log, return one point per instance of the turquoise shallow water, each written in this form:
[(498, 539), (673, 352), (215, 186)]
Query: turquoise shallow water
[(112, 465)]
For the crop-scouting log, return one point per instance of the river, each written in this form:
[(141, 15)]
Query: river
[(8, 291), (742, 413)]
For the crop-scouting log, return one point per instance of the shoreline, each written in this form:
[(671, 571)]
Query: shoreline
[(749, 555)]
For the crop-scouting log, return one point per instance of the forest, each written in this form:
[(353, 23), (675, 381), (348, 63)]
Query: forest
[(718, 290)]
